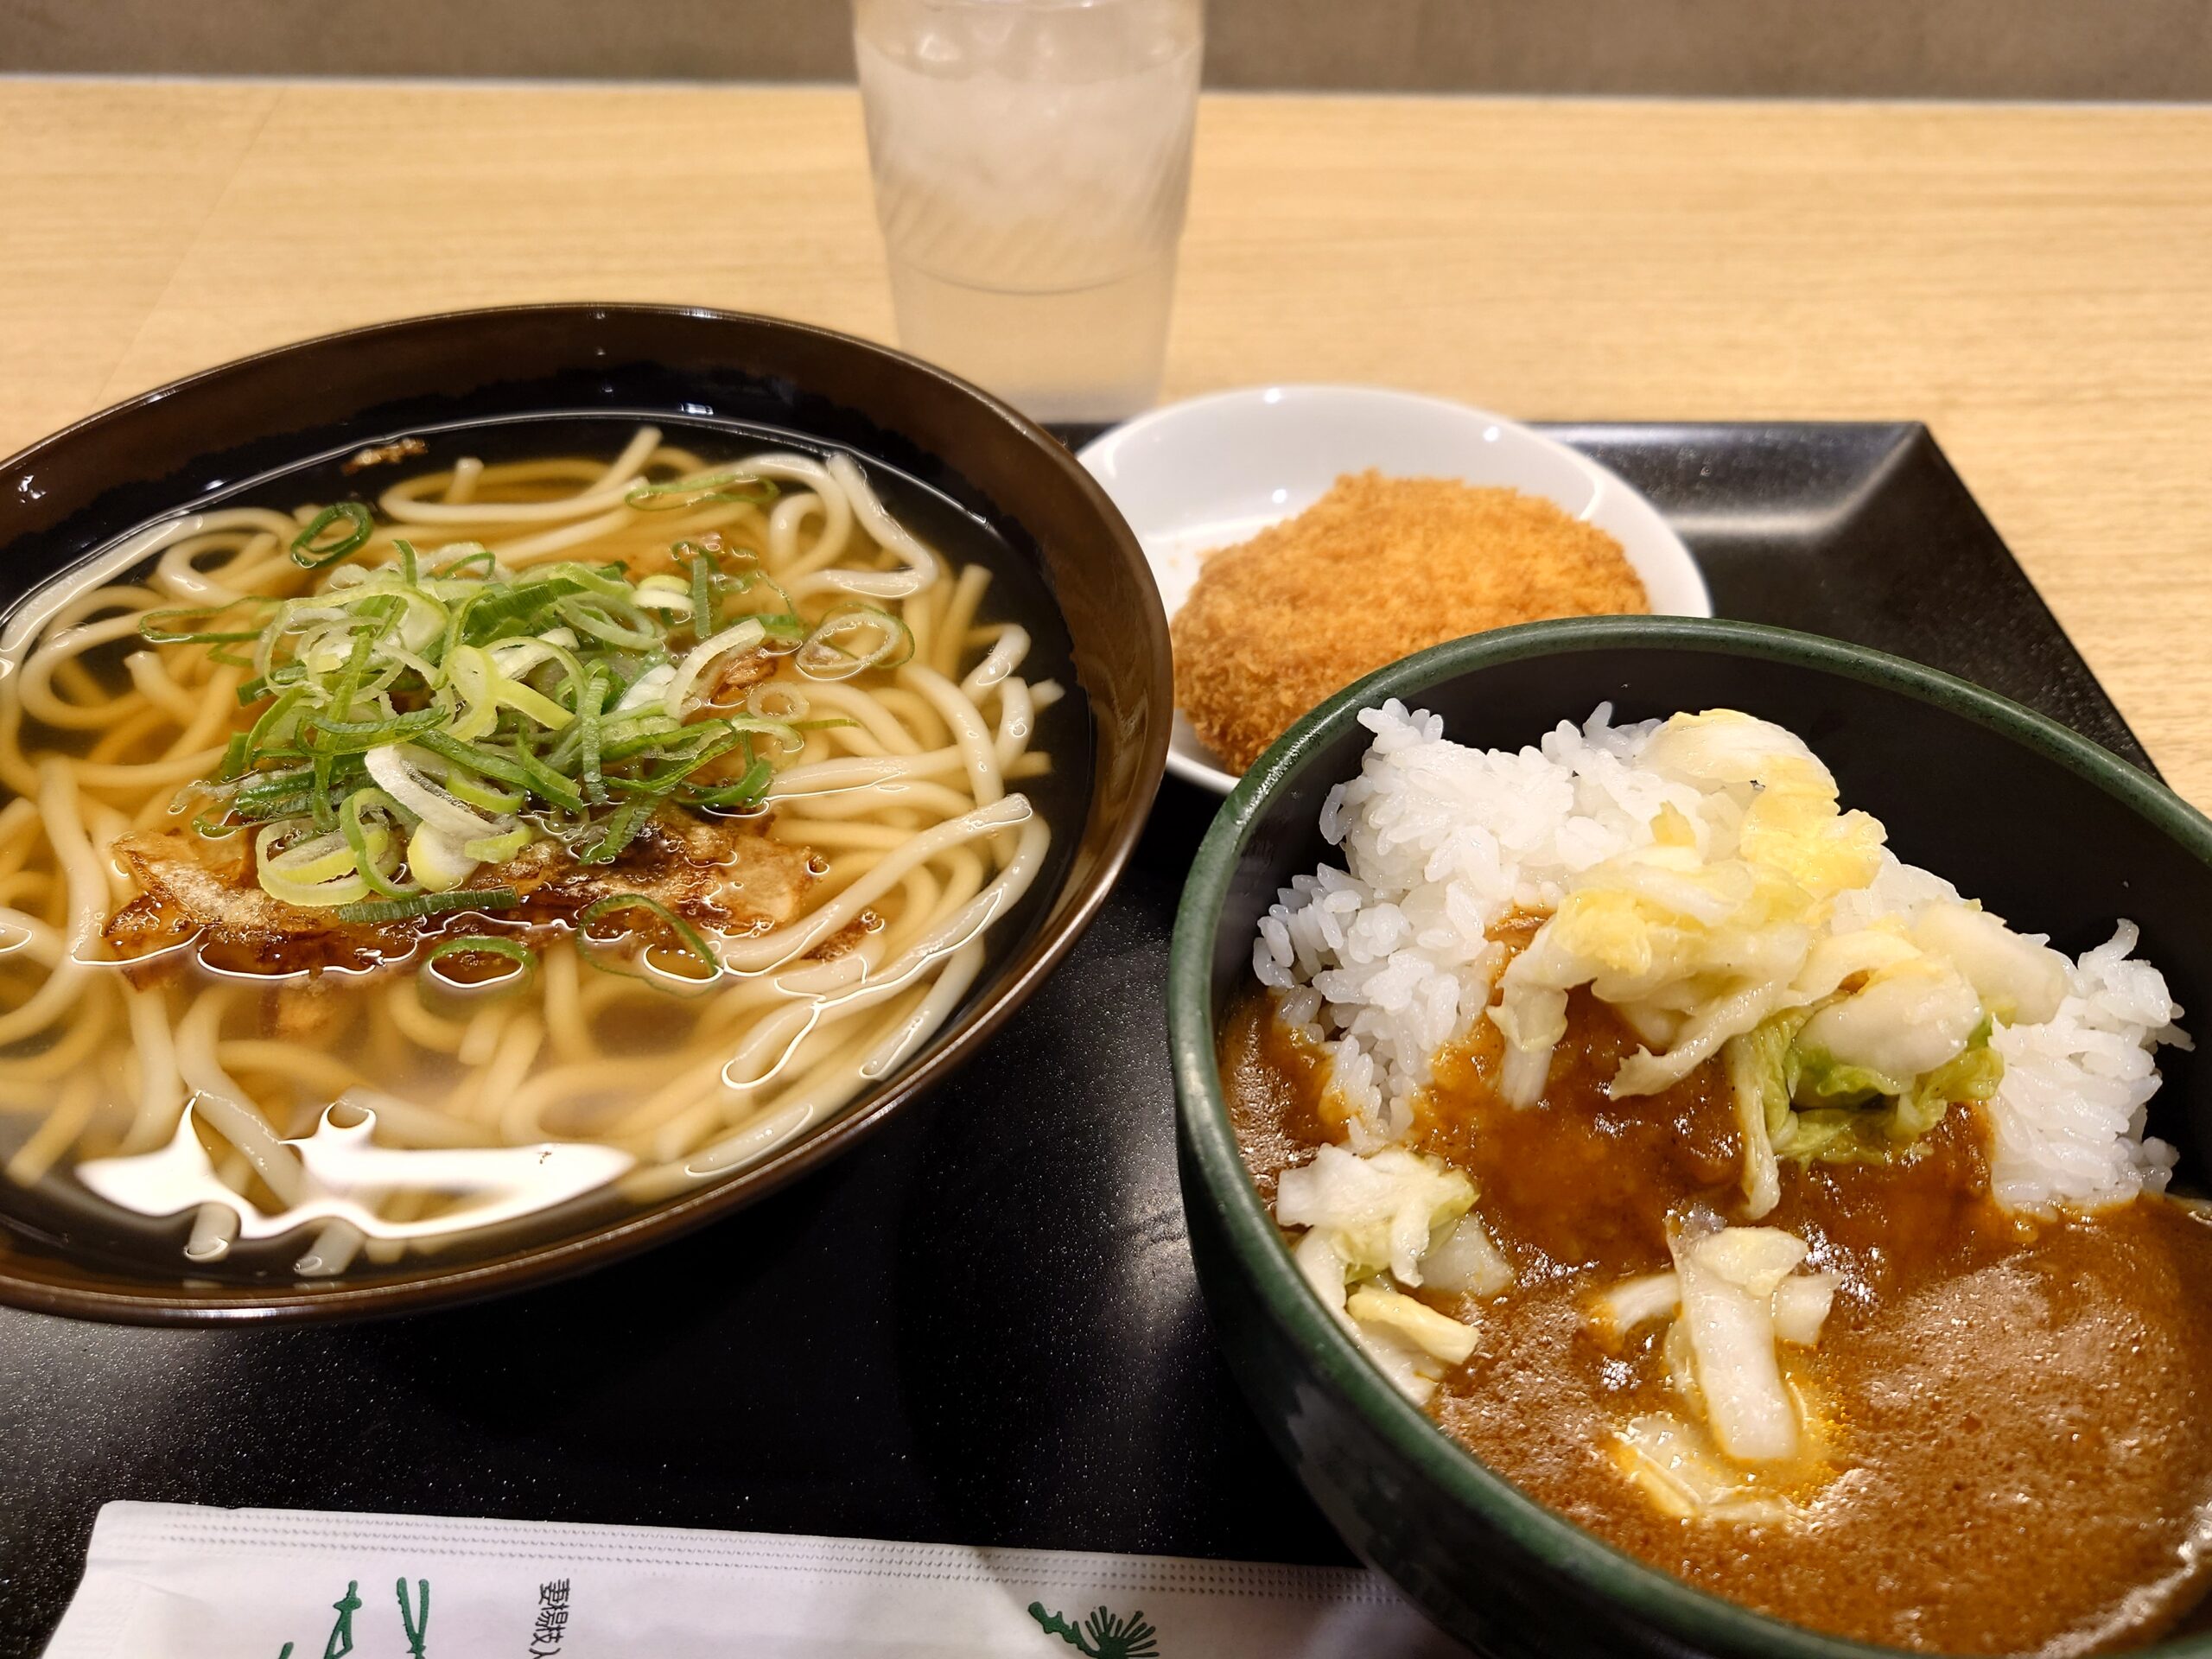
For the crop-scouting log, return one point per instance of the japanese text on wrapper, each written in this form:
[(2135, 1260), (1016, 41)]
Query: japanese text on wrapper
[(552, 1619)]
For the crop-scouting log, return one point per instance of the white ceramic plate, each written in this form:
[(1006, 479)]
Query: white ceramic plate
[(1216, 470)]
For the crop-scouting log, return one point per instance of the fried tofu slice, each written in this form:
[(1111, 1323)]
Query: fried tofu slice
[(191, 888), (726, 875), (721, 874)]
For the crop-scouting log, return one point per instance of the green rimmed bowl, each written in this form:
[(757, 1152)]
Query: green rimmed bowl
[(2047, 827)]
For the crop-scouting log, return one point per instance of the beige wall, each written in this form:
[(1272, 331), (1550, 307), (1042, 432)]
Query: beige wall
[(1972, 48)]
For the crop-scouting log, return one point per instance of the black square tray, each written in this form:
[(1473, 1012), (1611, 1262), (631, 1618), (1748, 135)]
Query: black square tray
[(981, 1327)]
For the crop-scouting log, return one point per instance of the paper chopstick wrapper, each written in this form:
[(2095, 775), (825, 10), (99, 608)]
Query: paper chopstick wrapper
[(168, 1581)]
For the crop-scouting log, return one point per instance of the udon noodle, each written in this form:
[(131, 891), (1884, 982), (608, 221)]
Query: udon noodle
[(369, 879)]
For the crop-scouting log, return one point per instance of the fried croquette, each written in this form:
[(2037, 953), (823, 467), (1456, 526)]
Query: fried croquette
[(1378, 568)]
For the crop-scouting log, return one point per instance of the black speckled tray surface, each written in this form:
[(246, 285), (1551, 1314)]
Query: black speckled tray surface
[(981, 1327)]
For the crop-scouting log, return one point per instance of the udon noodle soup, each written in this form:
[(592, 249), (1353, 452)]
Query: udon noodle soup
[(382, 871)]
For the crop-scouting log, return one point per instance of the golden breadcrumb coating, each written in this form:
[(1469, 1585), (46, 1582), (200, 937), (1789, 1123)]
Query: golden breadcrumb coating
[(1378, 568)]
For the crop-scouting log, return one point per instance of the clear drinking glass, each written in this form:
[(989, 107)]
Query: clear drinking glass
[(1032, 158)]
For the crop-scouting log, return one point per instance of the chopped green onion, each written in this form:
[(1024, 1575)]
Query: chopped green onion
[(319, 802), (786, 626), (586, 613), (610, 581), (587, 703), (263, 731), (694, 492), (349, 686), (473, 793), (480, 945), (525, 772), (310, 553), (356, 669), (358, 736), (457, 626), (549, 783), (498, 850), (689, 937), (666, 777), (479, 556), (514, 682), (620, 830), (702, 597), (165, 636), (417, 905), (651, 739), (508, 693), (823, 656), (268, 684), (357, 837), (521, 605), (748, 790), (284, 798)]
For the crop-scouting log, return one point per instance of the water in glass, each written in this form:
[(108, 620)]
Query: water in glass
[(1031, 161)]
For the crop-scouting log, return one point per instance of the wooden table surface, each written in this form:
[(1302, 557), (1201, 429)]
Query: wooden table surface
[(2033, 282)]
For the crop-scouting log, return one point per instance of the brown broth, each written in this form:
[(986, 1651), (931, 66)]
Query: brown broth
[(2022, 1414)]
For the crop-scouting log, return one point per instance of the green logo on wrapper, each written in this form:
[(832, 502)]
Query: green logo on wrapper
[(1102, 1636)]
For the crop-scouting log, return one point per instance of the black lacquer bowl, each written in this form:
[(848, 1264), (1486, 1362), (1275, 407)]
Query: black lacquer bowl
[(2046, 826), (203, 440)]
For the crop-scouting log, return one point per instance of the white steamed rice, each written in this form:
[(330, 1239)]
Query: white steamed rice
[(1386, 961)]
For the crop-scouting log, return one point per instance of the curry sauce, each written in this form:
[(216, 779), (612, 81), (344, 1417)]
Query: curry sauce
[(2018, 1414)]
